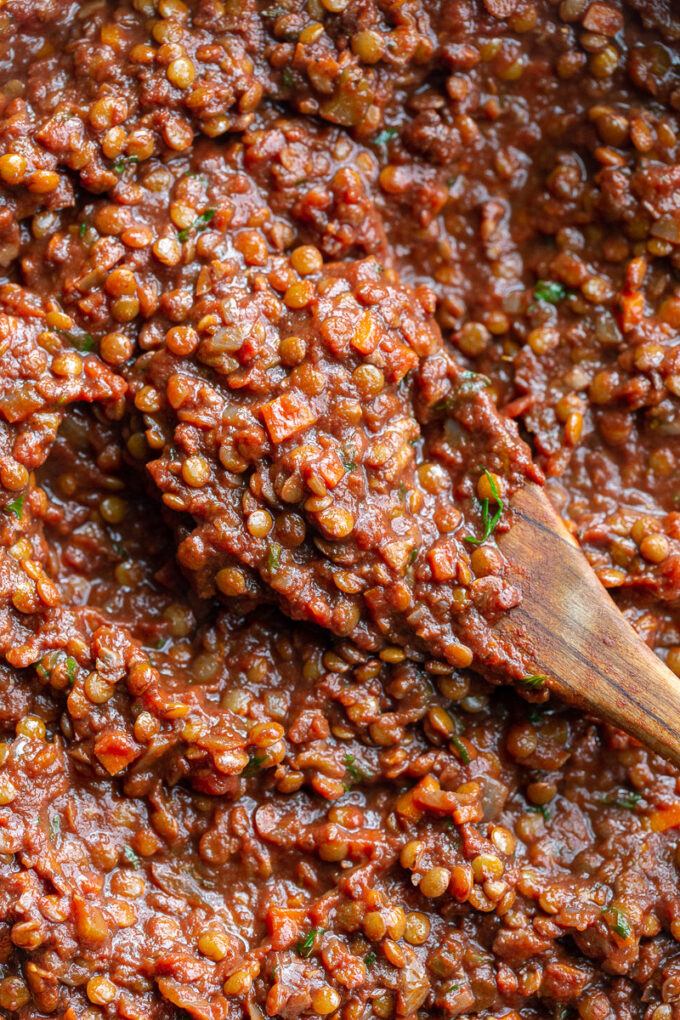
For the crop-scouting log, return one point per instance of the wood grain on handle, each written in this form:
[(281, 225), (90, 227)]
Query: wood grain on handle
[(575, 634)]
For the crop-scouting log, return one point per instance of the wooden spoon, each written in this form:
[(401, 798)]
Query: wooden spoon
[(570, 627)]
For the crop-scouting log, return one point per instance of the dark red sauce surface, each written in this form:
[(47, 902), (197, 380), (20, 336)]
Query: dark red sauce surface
[(293, 297)]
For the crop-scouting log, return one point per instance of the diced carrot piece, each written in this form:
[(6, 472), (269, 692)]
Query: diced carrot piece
[(115, 750), (632, 309), (286, 415), (365, 340), (443, 560), (406, 807), (283, 924), (665, 818)]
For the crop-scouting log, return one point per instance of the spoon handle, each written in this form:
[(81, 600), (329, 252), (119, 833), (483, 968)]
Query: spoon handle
[(577, 636)]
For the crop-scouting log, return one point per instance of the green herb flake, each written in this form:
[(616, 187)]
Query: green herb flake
[(413, 556), (453, 988), (83, 342), (16, 507), (385, 136), (287, 78), (253, 765), (534, 682), (488, 522), (119, 549), (200, 223), (82, 229), (71, 670), (540, 809), (370, 958), (55, 826), (274, 557), (355, 772), (627, 800), (445, 404), (305, 946), (472, 382), (550, 291), (463, 752), (131, 856), (535, 715), (348, 454), (618, 922), (123, 162)]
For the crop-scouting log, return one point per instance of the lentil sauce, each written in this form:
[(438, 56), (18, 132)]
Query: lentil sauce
[(293, 297)]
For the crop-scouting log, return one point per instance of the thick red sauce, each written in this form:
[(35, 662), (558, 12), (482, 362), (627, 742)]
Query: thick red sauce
[(293, 297)]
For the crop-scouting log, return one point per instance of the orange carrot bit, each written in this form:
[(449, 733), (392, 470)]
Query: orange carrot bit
[(286, 415), (665, 818)]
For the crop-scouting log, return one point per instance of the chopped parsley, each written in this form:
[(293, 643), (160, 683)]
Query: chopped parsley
[(287, 78), (253, 765), (370, 958), (200, 223), (274, 557), (535, 715), (122, 162), (16, 507), (82, 229), (627, 800), (81, 341), (489, 522), (384, 136), (305, 946), (540, 809), (452, 988), (413, 556), (534, 682), (619, 922), (473, 382), (55, 826), (355, 772), (550, 291), (119, 549), (348, 454), (462, 750), (131, 856), (71, 670)]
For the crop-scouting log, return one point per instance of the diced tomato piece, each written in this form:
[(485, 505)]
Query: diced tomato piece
[(286, 415), (399, 360), (115, 750)]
